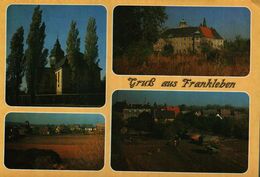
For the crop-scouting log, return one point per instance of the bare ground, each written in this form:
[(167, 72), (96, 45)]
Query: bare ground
[(80, 152), (155, 155)]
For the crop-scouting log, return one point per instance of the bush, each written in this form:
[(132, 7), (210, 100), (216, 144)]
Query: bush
[(138, 52), (167, 50)]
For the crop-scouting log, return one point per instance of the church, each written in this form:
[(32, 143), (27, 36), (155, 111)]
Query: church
[(89, 80), (186, 39), (58, 78)]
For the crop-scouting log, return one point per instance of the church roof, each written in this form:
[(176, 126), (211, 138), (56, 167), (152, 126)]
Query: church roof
[(61, 63), (64, 62)]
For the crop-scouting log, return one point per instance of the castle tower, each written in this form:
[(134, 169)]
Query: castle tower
[(204, 22), (183, 24)]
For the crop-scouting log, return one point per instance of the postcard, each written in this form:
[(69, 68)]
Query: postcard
[(124, 88)]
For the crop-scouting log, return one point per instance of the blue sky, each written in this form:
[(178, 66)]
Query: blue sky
[(57, 19), (51, 118), (228, 21), (238, 99)]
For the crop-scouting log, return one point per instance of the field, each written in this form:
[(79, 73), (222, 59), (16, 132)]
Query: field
[(181, 65), (147, 154), (76, 152)]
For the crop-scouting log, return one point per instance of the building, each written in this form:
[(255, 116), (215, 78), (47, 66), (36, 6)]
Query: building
[(174, 109), (163, 116), (186, 39), (135, 111), (210, 112), (100, 128), (225, 112), (63, 77), (44, 130), (89, 79)]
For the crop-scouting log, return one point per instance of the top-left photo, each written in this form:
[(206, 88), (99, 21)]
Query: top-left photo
[(55, 55)]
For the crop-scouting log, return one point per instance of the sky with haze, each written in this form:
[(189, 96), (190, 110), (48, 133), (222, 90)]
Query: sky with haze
[(237, 99), (57, 19), (55, 119), (228, 21)]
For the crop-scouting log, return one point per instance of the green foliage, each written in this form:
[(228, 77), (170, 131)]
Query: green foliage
[(73, 53), (138, 52), (91, 57), (91, 46), (236, 50), (206, 50), (35, 53), (56, 53), (211, 54), (15, 61), (136, 29), (143, 122), (167, 50), (241, 128), (73, 46), (233, 52)]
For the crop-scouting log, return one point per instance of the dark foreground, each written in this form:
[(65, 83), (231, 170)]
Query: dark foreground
[(147, 154), (68, 152)]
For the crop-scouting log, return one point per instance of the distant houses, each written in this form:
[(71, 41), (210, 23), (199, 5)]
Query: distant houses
[(167, 114), (134, 110), (18, 130)]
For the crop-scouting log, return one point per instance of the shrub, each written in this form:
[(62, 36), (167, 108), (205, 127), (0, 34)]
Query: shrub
[(167, 50)]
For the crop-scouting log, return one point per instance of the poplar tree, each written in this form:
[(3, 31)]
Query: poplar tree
[(15, 64), (91, 55), (73, 52), (91, 46), (35, 54)]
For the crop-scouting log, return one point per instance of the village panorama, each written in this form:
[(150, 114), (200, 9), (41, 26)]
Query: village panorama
[(54, 141), (180, 131)]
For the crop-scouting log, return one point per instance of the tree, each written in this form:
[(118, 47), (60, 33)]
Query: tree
[(236, 51), (136, 27), (73, 53), (167, 50), (91, 56), (91, 46), (15, 64), (56, 53), (35, 54)]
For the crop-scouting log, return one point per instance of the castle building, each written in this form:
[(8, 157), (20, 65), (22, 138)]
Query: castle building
[(185, 39)]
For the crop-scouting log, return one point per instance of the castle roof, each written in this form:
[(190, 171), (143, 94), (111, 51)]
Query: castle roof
[(202, 31), (180, 32)]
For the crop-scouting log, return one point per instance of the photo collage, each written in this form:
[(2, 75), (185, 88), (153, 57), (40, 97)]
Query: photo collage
[(130, 89)]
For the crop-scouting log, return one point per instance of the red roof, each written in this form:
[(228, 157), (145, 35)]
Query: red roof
[(175, 109), (207, 32)]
